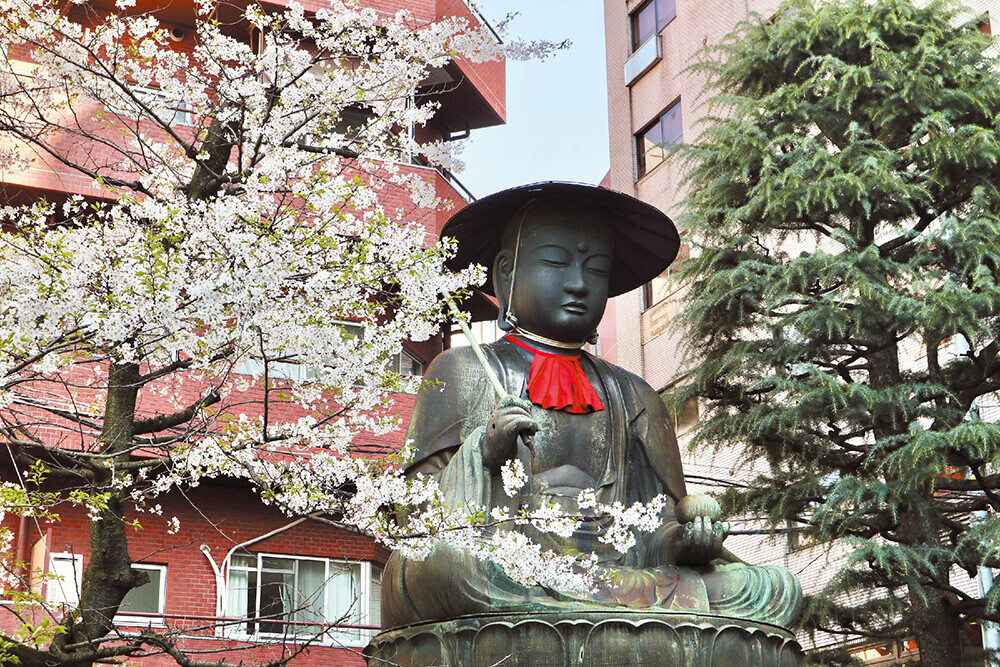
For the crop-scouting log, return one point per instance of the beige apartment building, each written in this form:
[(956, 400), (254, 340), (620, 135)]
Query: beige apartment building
[(653, 101)]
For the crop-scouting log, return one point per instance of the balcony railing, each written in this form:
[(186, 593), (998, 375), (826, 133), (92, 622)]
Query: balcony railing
[(648, 54)]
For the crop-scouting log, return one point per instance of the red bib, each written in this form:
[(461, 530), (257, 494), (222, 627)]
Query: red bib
[(557, 382)]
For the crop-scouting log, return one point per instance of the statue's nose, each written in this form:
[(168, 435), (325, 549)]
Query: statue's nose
[(575, 283)]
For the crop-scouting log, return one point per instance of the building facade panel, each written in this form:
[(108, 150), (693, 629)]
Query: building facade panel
[(648, 341)]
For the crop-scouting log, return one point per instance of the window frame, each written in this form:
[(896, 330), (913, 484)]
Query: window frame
[(485, 331), (351, 126), (59, 581), (641, 164), (330, 634), (659, 22), (147, 618), (183, 113), (651, 295), (411, 358), (286, 368)]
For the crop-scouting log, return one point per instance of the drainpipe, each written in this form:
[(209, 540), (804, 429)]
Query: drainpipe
[(22, 543), (220, 581), (46, 559)]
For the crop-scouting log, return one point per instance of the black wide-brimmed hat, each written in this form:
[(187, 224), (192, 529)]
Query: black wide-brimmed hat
[(646, 241)]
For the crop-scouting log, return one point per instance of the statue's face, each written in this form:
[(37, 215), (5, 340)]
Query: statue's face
[(563, 273)]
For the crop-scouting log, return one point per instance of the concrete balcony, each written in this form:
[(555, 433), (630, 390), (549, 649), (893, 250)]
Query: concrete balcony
[(476, 96), (472, 95)]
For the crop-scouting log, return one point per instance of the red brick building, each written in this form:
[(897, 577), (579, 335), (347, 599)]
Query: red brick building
[(234, 559)]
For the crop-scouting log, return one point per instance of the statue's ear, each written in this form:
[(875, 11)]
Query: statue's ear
[(503, 269)]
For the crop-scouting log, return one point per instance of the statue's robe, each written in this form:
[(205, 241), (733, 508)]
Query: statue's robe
[(627, 452)]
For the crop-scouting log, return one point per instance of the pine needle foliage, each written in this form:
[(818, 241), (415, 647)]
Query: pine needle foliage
[(845, 202)]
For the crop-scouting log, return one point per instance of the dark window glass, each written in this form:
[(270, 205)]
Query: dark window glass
[(277, 584), (650, 19), (410, 365), (651, 148), (145, 598), (673, 131), (643, 24), (652, 144), (666, 11), (251, 602)]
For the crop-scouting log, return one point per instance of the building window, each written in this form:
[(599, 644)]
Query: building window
[(666, 284), (62, 585), (375, 597), (650, 19), (685, 418), (173, 112), (984, 24), (348, 131), (146, 600), (287, 368), (487, 331), (353, 132), (406, 363), (653, 143), (296, 595)]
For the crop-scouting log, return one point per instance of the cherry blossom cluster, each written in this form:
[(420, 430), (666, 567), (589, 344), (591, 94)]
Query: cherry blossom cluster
[(625, 520)]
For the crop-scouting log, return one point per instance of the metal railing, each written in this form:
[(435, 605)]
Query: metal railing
[(457, 184)]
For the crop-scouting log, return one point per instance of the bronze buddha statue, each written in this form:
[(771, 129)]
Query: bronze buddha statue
[(556, 252)]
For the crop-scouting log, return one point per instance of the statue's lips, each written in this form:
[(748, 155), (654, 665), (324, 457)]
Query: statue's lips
[(575, 307)]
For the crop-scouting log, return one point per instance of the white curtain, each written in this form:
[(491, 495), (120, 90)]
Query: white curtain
[(309, 606), (344, 600), (237, 599)]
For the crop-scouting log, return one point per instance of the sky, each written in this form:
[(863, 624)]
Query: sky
[(557, 109)]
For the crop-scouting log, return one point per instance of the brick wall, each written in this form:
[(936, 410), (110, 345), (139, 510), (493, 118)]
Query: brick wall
[(658, 358), (220, 517)]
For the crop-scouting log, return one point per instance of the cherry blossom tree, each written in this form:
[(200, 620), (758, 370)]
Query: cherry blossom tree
[(247, 234)]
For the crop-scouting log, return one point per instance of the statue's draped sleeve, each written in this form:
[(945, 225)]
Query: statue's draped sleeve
[(650, 425), (652, 428), (454, 405)]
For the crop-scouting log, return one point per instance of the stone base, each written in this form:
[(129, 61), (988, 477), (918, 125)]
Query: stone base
[(591, 638)]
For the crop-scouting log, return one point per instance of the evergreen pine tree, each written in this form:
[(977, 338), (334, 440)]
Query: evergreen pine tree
[(845, 203)]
